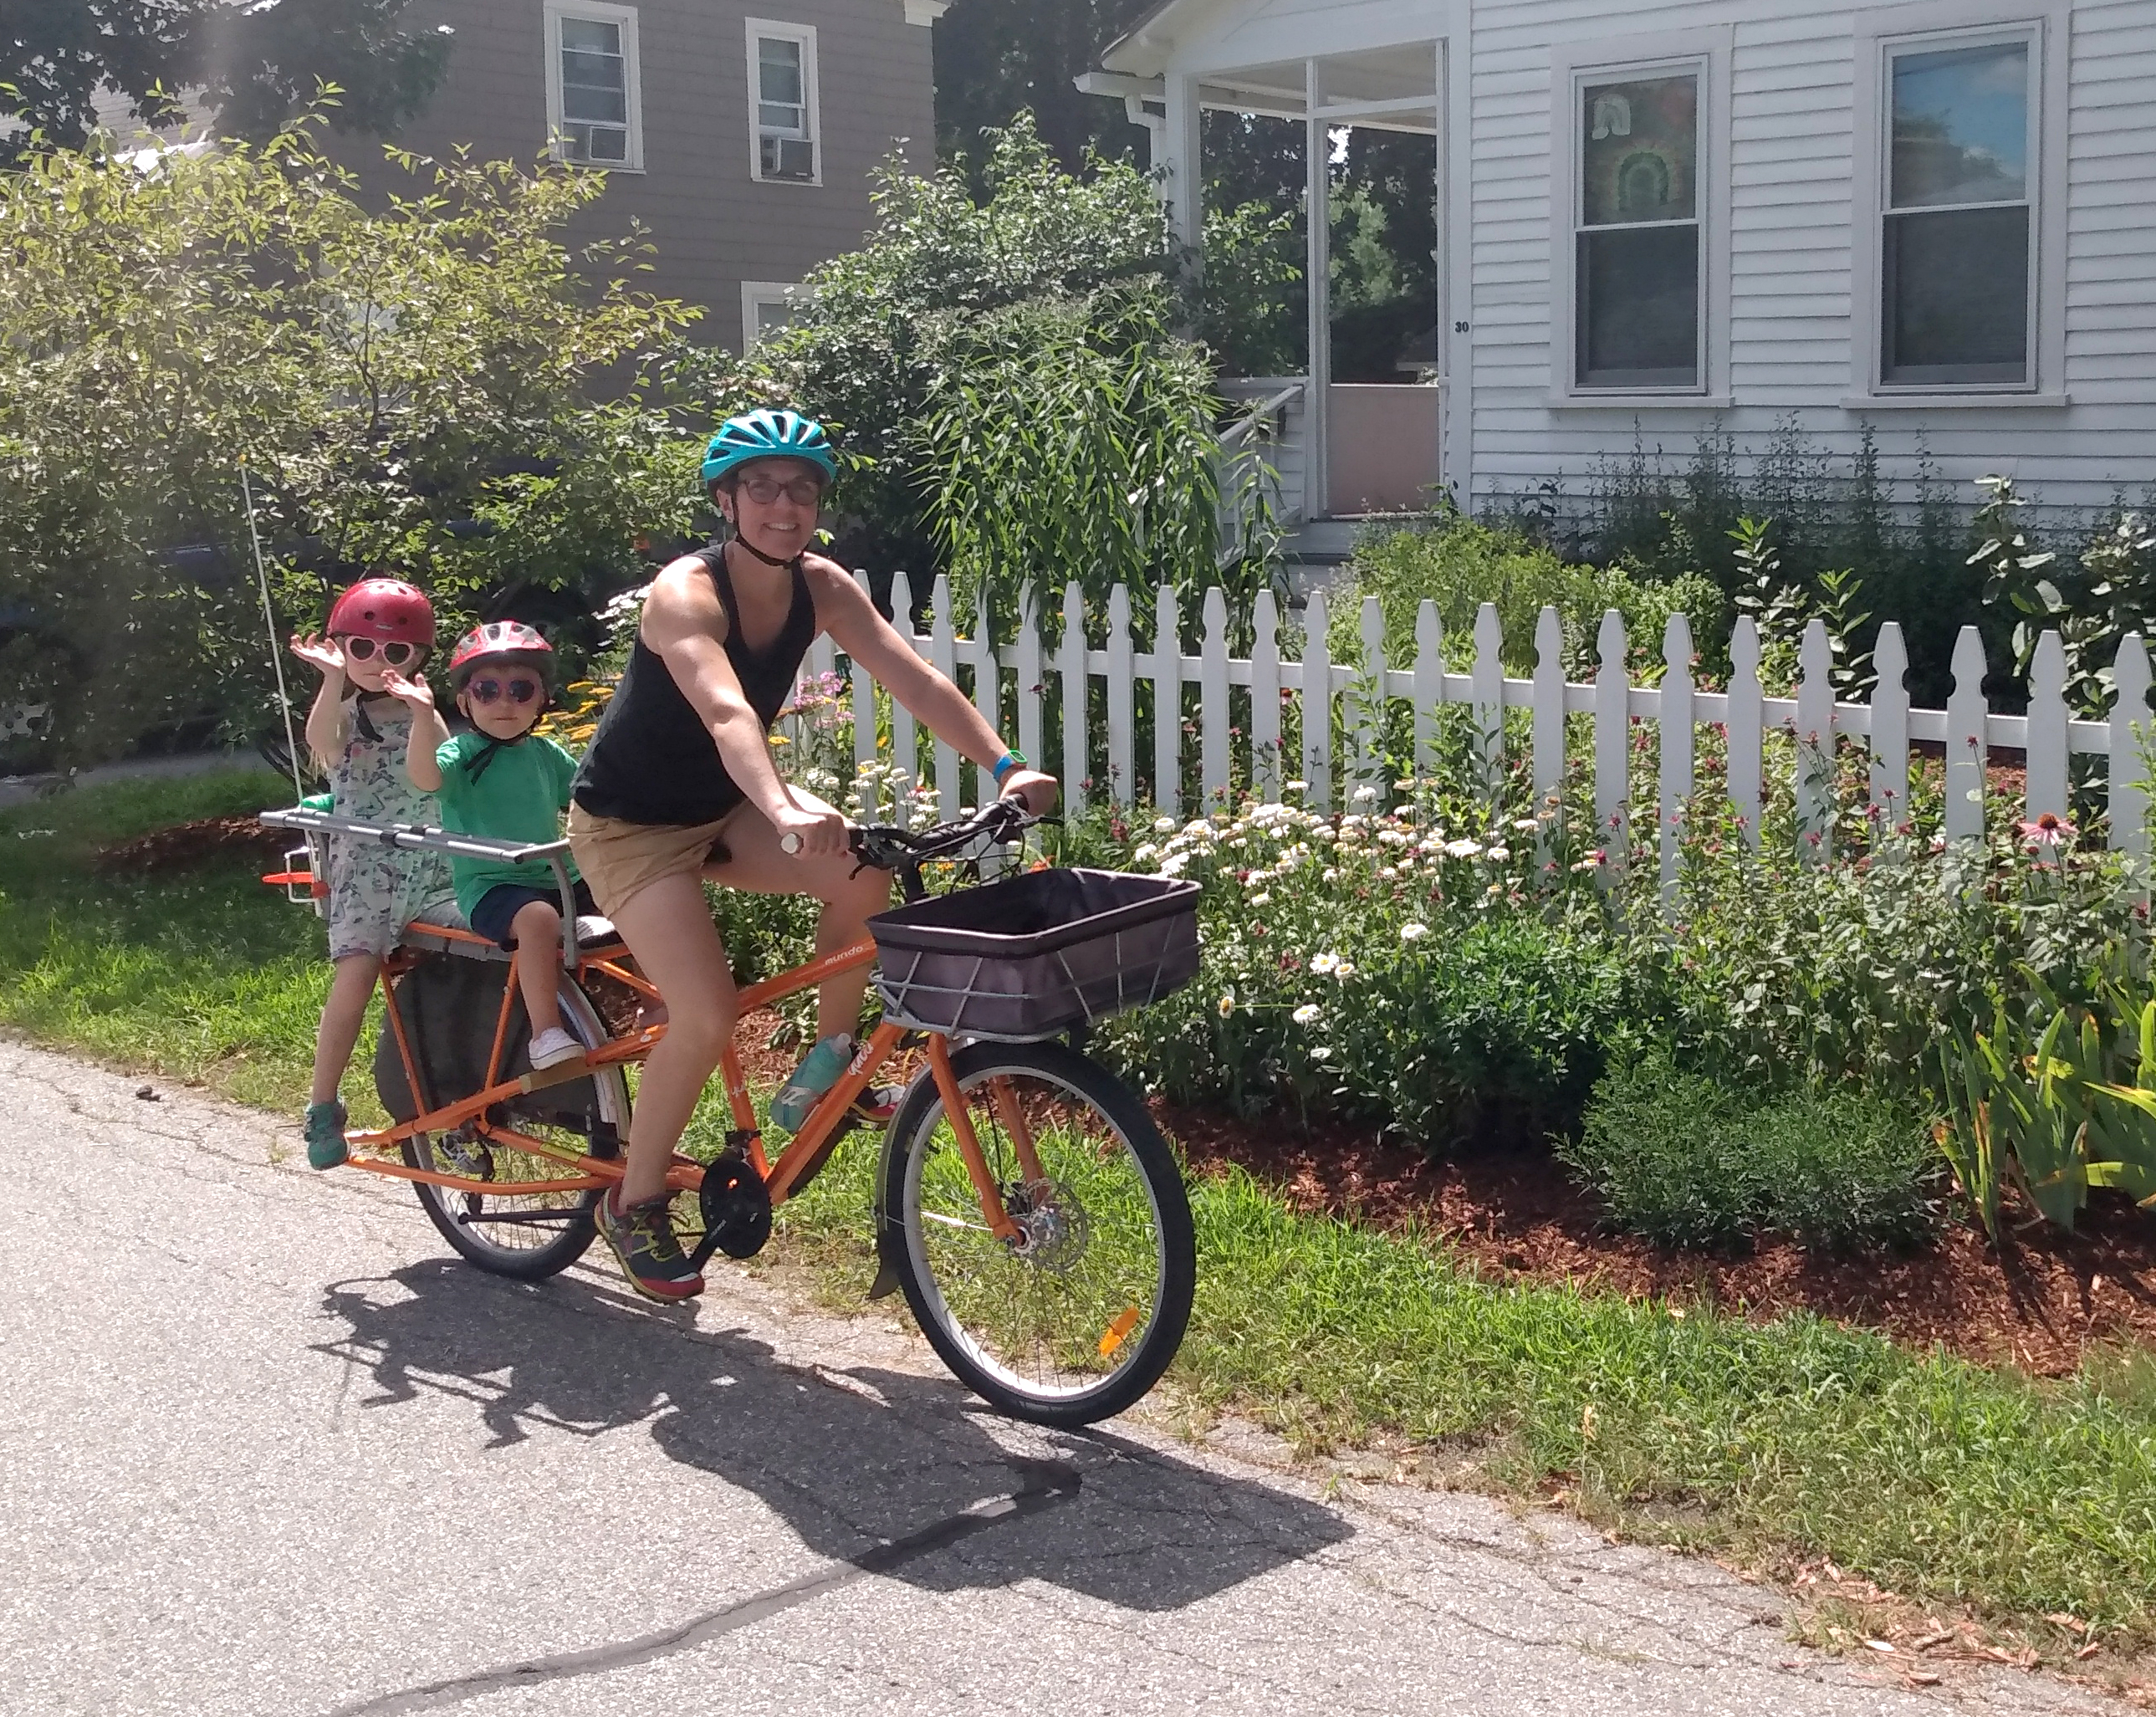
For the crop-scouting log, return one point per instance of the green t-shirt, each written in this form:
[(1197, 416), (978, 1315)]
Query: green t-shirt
[(519, 796)]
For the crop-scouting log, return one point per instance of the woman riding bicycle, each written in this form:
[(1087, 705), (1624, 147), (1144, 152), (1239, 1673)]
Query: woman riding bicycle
[(679, 785)]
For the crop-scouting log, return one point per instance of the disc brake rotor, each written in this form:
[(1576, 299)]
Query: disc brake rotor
[(1054, 1228)]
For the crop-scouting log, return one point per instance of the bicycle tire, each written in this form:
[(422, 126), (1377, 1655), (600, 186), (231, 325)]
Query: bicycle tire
[(1126, 1292), (478, 1233)]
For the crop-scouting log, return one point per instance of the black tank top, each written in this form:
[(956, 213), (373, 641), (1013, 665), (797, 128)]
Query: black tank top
[(652, 760)]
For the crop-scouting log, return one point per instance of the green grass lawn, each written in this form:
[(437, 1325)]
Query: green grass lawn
[(1945, 1481)]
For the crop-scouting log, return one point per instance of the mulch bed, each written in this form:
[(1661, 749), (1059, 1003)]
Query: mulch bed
[(186, 845), (2035, 1304)]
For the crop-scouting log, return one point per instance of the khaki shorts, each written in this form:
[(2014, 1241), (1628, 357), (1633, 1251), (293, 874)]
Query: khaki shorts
[(621, 859)]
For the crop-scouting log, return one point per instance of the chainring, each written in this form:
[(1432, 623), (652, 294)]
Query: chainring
[(736, 1206)]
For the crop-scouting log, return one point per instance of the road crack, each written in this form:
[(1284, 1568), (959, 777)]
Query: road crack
[(1046, 1484)]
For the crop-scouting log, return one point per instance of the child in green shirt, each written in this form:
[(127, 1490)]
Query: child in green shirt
[(505, 783)]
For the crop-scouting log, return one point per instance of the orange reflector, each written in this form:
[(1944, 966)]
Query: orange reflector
[(287, 878), (1119, 1331)]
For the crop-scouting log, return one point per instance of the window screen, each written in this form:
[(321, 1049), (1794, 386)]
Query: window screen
[(1637, 240)]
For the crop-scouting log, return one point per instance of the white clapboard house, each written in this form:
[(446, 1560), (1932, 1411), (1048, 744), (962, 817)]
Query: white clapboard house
[(1662, 216)]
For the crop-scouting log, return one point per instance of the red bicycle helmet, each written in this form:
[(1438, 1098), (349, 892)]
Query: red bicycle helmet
[(504, 644), (386, 608)]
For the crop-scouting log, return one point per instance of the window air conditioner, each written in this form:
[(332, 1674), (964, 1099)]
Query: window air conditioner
[(788, 158)]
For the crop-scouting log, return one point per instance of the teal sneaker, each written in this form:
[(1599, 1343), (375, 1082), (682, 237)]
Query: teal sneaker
[(325, 1128)]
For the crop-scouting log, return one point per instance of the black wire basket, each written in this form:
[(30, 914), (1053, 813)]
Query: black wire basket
[(1036, 953)]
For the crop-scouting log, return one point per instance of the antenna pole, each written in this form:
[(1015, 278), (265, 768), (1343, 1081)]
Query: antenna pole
[(270, 621)]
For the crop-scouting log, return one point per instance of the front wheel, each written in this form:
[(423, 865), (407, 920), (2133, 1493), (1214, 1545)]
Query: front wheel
[(1076, 1318)]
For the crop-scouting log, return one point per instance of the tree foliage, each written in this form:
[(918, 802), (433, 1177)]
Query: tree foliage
[(256, 66), (887, 330), (409, 388)]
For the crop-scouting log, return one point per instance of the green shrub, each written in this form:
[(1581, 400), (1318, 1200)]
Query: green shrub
[(1382, 969), (1461, 564), (1685, 1159)]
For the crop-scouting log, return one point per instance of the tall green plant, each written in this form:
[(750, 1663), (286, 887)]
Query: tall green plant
[(881, 331), (1074, 442)]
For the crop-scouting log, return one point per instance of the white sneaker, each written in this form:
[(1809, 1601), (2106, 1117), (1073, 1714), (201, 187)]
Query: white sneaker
[(550, 1048)]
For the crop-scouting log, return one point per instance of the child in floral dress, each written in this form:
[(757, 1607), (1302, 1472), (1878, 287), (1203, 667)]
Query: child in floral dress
[(363, 734)]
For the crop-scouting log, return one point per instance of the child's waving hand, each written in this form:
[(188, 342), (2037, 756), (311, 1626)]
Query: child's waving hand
[(414, 693), (319, 652)]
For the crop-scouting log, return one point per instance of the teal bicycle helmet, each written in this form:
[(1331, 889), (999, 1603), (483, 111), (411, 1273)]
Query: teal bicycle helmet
[(767, 434)]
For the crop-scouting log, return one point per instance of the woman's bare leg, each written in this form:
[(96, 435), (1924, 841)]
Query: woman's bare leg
[(351, 985), (668, 926), (759, 866)]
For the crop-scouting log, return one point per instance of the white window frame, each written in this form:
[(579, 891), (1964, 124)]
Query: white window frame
[(1705, 51), (756, 294), (1944, 23), (596, 12), (757, 29)]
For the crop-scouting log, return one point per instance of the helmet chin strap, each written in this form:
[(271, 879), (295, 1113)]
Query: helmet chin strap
[(769, 560)]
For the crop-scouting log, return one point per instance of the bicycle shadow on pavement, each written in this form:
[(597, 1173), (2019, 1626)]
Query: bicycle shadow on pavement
[(860, 1463)]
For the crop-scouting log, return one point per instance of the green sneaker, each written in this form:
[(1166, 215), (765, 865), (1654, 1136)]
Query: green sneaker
[(324, 1129), (642, 1237)]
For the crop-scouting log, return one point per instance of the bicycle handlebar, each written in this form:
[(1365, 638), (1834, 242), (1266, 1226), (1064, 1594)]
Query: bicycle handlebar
[(886, 847)]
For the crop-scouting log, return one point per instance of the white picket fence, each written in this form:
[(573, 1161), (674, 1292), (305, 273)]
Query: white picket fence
[(1016, 679)]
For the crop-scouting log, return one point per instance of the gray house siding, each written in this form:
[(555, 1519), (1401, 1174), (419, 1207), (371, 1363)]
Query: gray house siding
[(715, 225)]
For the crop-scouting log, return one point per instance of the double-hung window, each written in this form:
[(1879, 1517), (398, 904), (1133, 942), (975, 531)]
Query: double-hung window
[(1958, 263), (1638, 262), (782, 96), (1956, 220), (592, 83)]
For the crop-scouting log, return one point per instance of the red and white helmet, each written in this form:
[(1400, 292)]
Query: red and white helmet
[(501, 644), (385, 608)]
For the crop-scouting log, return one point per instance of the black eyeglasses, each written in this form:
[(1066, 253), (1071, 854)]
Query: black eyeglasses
[(395, 652), (519, 690), (802, 492)]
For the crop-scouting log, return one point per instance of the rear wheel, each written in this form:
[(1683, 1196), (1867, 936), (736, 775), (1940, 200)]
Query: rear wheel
[(526, 1234), (1076, 1318)]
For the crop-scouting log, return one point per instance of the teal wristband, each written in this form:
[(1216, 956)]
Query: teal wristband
[(1004, 765)]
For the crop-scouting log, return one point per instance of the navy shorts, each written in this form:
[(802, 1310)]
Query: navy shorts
[(496, 915)]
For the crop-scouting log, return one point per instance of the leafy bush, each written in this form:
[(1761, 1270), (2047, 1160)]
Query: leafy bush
[(1459, 564), (1383, 969), (409, 386), (1687, 1161)]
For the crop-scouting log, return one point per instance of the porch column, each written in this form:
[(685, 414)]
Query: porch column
[(1317, 494), (1185, 189)]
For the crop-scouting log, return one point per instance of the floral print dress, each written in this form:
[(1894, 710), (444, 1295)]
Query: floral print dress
[(375, 890)]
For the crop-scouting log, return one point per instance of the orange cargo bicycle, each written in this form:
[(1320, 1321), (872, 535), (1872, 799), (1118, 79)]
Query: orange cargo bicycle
[(1026, 1203)]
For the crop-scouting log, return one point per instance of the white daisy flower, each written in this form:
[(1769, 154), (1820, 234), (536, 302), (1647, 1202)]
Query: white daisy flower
[(1414, 932), (1307, 1014)]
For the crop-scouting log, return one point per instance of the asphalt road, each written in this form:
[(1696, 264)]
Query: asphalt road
[(264, 1448)]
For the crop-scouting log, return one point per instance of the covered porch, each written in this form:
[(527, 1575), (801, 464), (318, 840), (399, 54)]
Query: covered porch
[(1344, 445)]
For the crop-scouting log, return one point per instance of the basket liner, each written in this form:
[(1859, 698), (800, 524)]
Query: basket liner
[(1035, 955)]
